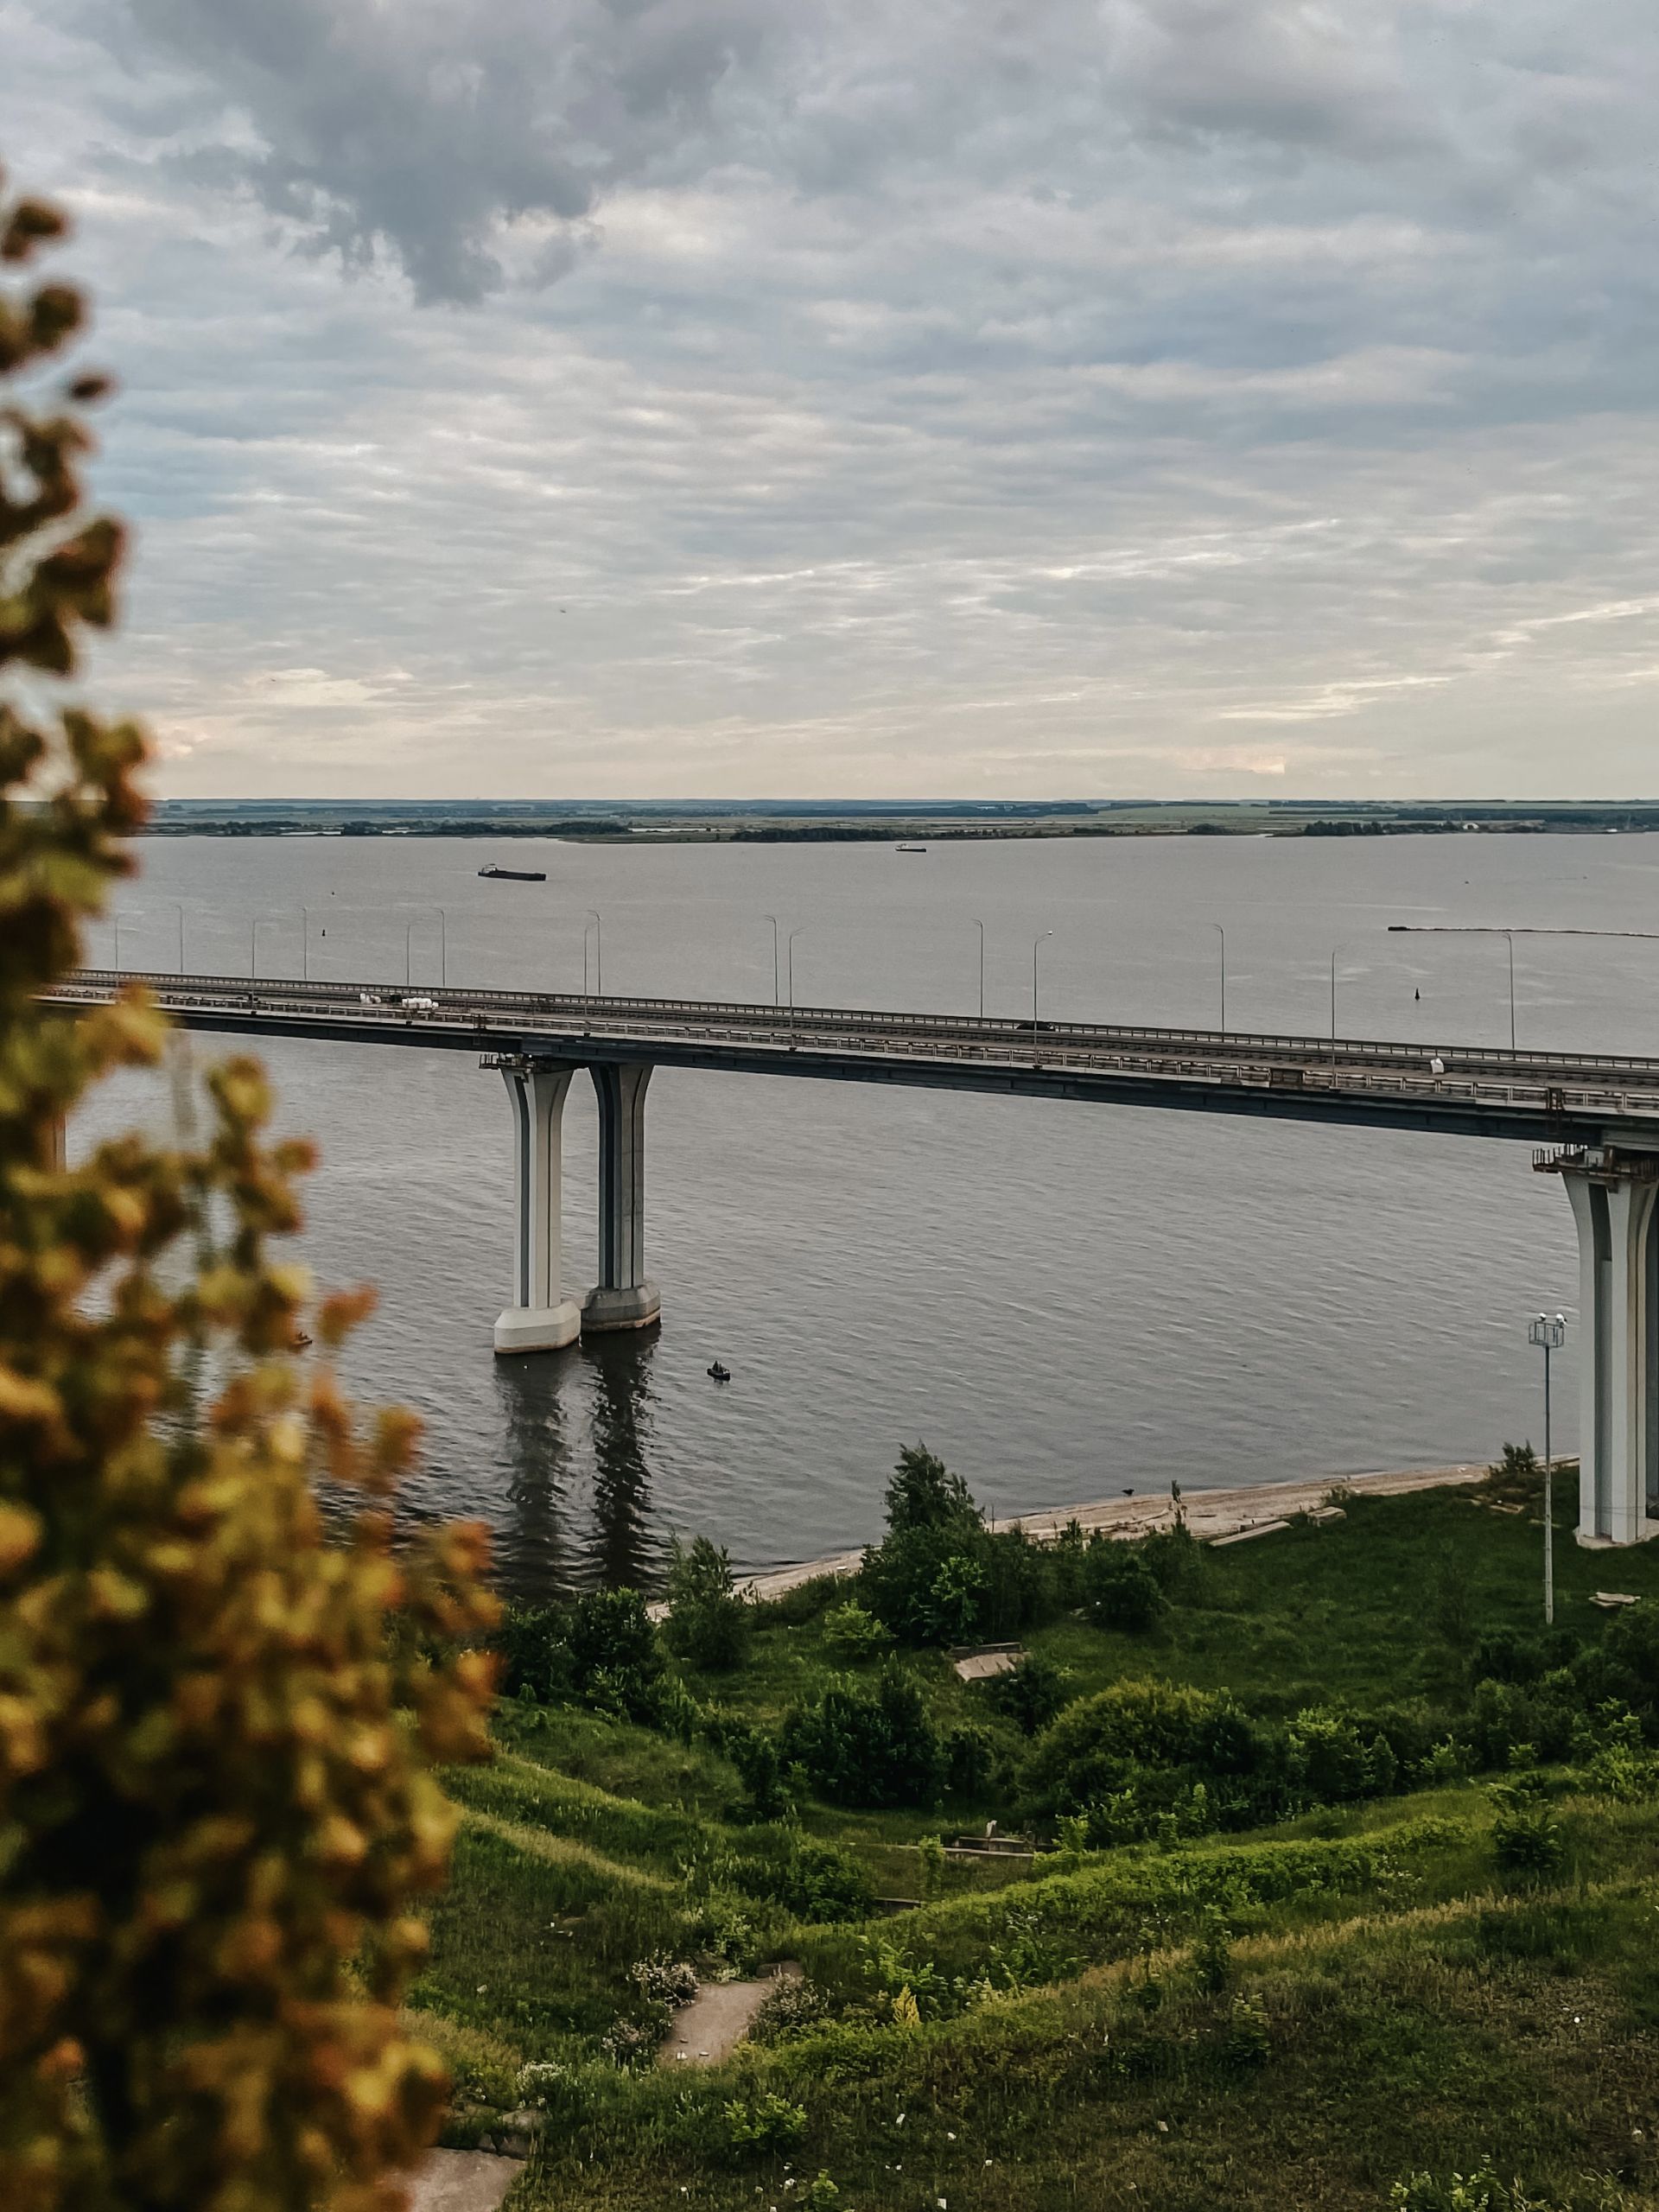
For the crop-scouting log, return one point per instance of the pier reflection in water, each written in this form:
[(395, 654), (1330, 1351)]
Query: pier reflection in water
[(578, 1428)]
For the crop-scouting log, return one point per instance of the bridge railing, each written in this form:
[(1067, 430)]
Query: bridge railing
[(844, 1021)]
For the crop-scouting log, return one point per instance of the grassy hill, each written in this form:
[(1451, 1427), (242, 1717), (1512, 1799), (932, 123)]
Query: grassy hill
[(1453, 1958)]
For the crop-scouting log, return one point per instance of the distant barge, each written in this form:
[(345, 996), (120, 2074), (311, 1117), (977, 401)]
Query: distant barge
[(515, 874)]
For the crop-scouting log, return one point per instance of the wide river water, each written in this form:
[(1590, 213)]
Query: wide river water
[(1064, 1301)]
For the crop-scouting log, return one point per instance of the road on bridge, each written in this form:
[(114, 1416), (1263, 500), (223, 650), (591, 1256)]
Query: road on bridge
[(1560, 1098)]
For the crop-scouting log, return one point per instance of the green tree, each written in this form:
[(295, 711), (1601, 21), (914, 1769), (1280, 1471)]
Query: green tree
[(924, 1494), (217, 1730), (708, 1622)]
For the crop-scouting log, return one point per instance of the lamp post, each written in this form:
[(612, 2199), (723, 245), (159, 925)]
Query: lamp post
[(1037, 945), (772, 918), (789, 958), (599, 952), (305, 944), (1222, 934), (409, 941), (1508, 938), (1549, 1336), (116, 919), (253, 948), (980, 926)]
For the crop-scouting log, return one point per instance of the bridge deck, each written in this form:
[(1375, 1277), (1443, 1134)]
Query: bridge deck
[(1537, 1097)]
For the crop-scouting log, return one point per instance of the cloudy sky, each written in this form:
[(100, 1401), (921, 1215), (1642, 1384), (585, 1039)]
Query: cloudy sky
[(1085, 397)]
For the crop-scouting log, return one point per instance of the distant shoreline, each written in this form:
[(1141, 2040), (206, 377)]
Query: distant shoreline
[(912, 822)]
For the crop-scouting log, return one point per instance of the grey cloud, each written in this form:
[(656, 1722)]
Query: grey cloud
[(1109, 395), (428, 130)]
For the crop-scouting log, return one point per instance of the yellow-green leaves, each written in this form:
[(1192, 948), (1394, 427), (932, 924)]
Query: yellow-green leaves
[(217, 1801)]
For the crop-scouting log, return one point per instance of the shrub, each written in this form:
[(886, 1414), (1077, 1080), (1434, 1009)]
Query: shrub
[(970, 1761), (761, 1770), (599, 1650), (771, 2123), (1526, 1839), (663, 1981), (853, 1634), (1031, 1693), (1212, 1954), (1328, 1756), (814, 1881), (631, 2046), (218, 1728), (1119, 1590), (790, 2007), (708, 1623), (1100, 1742), (867, 1747)]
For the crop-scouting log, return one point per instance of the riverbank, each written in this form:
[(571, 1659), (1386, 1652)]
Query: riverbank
[(1209, 1514)]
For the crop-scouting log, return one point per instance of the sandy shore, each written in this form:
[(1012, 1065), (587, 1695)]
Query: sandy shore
[(1209, 1513)]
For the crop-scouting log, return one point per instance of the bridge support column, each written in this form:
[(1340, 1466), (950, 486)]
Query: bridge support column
[(624, 1297), (540, 1319), (1613, 1205)]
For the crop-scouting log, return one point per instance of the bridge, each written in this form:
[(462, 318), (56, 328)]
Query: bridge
[(1593, 1119)]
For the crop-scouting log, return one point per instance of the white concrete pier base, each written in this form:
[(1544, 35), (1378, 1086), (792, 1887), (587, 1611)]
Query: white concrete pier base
[(624, 1297), (542, 1318), (537, 1328), (1613, 1205)]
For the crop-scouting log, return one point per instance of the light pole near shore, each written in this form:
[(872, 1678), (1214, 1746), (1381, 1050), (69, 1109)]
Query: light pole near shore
[(1549, 1336), (772, 918), (980, 926)]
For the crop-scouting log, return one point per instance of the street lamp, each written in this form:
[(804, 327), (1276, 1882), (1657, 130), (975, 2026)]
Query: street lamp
[(179, 910), (1036, 948), (1549, 1336), (1509, 937), (789, 955), (305, 944), (772, 918), (599, 953), (1222, 934), (116, 919), (253, 947), (980, 926)]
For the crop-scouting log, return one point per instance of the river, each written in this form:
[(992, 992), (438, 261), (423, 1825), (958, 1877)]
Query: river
[(1064, 1301)]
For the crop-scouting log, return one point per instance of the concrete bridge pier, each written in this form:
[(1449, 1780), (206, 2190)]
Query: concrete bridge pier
[(624, 1297), (541, 1318), (1613, 1197)]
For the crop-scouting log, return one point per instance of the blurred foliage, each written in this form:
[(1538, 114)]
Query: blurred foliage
[(217, 1730)]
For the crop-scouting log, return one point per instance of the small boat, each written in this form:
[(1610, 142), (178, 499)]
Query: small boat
[(513, 874), (910, 849), (721, 1374)]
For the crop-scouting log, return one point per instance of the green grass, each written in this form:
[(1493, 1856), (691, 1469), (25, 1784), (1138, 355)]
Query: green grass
[(1405, 2005)]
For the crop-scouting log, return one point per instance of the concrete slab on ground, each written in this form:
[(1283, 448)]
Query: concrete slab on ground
[(462, 2181)]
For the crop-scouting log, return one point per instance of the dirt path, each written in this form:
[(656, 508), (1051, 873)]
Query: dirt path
[(718, 2017), (1209, 1513)]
